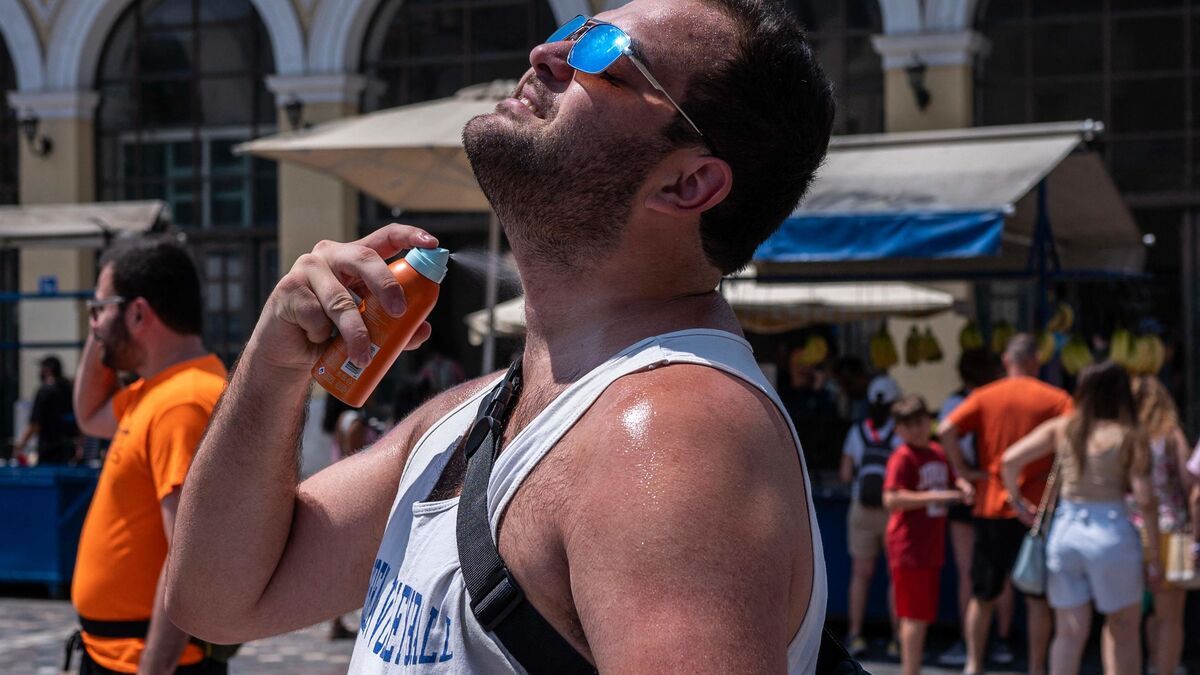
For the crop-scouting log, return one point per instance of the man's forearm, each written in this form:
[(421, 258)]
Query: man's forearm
[(236, 508), (29, 433), (164, 641), (954, 454), (95, 384)]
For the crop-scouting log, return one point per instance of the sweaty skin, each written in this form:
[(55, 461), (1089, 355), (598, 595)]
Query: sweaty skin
[(668, 531)]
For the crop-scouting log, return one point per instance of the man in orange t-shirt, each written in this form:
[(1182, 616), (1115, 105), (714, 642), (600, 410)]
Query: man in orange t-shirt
[(1000, 414), (145, 318)]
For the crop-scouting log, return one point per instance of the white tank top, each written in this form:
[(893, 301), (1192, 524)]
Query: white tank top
[(417, 615)]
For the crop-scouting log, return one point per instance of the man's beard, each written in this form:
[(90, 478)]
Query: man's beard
[(120, 353), (564, 199)]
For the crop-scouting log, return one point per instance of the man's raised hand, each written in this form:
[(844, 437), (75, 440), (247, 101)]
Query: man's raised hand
[(314, 297)]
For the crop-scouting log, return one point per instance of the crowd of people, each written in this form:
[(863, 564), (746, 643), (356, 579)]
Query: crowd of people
[(1108, 469)]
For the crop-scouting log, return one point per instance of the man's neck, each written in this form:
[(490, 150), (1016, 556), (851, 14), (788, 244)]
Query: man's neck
[(169, 351), (574, 327)]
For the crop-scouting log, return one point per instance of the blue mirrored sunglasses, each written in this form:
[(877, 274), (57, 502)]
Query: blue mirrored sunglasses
[(598, 45)]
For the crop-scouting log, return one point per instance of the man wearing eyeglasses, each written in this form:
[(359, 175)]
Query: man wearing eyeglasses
[(145, 318), (648, 495)]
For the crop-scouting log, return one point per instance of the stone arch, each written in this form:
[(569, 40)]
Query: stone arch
[(24, 47), (928, 16), (83, 28), (339, 28)]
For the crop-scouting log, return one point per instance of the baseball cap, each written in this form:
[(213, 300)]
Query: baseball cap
[(883, 389)]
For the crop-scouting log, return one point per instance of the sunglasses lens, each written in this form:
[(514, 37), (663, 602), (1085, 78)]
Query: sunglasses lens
[(598, 49), (567, 28)]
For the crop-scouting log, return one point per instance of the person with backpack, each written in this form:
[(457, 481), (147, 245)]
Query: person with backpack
[(869, 445)]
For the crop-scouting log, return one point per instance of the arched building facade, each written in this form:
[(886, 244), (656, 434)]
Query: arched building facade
[(983, 62)]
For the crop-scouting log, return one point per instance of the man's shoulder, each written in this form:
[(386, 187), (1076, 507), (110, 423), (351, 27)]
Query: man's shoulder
[(692, 413), (689, 391), (198, 385)]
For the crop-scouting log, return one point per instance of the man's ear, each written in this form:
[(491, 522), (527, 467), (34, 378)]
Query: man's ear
[(137, 315), (691, 186)]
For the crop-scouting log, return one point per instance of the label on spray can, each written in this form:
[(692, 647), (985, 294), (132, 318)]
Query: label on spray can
[(354, 371)]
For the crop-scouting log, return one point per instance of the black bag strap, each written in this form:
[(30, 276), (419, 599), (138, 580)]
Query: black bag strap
[(833, 659), (497, 601)]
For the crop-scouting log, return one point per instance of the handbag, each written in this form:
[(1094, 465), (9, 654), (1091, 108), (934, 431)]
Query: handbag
[(1179, 569), (1029, 572)]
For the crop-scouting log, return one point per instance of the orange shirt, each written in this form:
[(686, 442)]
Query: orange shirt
[(1000, 414), (123, 547)]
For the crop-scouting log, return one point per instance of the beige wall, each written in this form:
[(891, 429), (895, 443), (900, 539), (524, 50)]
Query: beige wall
[(313, 206), (951, 90), (951, 100), (64, 175)]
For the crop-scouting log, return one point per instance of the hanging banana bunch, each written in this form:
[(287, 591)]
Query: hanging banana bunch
[(1147, 355), (931, 350), (814, 351), (1002, 332), (1062, 321), (970, 337), (883, 349), (913, 347), (1075, 355), (1045, 347), (1120, 347)]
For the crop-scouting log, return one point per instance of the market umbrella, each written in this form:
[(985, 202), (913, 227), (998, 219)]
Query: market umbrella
[(409, 157)]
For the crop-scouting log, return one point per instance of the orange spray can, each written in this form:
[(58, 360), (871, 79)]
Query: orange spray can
[(420, 272)]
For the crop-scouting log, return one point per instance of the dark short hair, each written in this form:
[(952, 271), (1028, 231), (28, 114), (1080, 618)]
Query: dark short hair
[(976, 367), (910, 407), (159, 269), (768, 112), (53, 364)]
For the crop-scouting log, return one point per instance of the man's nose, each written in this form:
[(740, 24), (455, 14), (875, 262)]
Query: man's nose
[(549, 61)]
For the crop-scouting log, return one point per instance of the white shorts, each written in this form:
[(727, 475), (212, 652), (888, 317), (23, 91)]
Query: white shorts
[(1093, 554)]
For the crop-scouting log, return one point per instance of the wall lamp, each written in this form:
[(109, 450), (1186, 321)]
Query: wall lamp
[(38, 145), (294, 109), (916, 81)]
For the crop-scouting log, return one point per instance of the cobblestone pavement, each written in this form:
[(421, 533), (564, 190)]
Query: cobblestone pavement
[(32, 634)]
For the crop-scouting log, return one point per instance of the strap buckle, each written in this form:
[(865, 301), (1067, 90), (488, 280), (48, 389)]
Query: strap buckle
[(477, 435), (491, 609)]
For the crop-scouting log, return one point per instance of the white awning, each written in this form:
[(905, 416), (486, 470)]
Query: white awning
[(78, 225), (774, 307), (409, 157)]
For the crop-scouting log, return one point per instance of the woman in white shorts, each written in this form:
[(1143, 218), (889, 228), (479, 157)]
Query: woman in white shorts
[(1094, 554)]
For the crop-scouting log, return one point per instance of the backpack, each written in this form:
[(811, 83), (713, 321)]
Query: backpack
[(873, 468)]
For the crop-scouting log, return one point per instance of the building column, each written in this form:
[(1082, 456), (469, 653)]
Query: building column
[(66, 174), (314, 206), (942, 65)]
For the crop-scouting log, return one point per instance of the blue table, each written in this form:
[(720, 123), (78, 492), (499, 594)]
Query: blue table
[(41, 514)]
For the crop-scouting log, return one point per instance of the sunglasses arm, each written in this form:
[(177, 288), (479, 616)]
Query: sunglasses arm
[(654, 82)]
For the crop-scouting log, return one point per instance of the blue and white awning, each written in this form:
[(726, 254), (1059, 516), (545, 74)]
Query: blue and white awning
[(955, 201)]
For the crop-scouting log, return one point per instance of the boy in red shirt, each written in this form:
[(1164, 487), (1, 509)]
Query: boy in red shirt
[(917, 492)]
